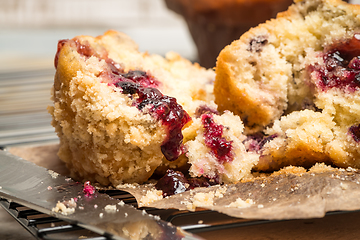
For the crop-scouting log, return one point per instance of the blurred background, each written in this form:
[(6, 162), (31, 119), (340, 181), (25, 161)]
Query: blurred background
[(30, 30)]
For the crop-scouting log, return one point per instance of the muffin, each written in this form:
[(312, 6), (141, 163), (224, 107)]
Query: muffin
[(213, 24), (294, 83), (122, 115), (119, 113), (217, 151)]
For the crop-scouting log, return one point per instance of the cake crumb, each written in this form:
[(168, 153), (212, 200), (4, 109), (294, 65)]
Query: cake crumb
[(201, 200), (151, 196), (110, 208), (220, 192), (344, 186), (65, 207), (239, 203), (53, 174)]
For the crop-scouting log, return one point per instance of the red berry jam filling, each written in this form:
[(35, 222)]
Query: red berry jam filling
[(142, 88), (174, 182), (220, 147), (354, 131), (161, 107), (341, 67)]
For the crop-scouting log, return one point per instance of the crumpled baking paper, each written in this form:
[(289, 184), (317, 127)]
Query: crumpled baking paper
[(292, 193)]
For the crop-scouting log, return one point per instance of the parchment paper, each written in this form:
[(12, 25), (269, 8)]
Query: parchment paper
[(282, 195)]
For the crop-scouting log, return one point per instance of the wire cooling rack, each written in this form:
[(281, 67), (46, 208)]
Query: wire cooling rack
[(43, 226)]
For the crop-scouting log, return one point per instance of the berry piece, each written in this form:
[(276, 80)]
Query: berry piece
[(88, 189), (220, 147), (341, 67), (355, 132)]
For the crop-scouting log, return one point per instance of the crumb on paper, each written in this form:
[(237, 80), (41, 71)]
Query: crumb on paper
[(260, 206), (121, 203), (201, 200), (49, 188), (110, 208), (350, 169), (320, 168), (127, 185), (344, 186), (151, 196), (239, 203), (53, 174), (65, 207), (220, 192), (101, 215)]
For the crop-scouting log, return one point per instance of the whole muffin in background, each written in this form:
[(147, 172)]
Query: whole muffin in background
[(213, 24)]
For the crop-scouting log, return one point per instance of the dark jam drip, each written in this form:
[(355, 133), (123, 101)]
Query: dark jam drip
[(220, 147), (160, 106), (174, 182), (355, 132), (341, 67)]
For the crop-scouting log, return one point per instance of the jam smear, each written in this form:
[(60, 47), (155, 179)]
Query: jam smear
[(174, 182), (355, 132), (60, 44), (220, 147), (341, 67)]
